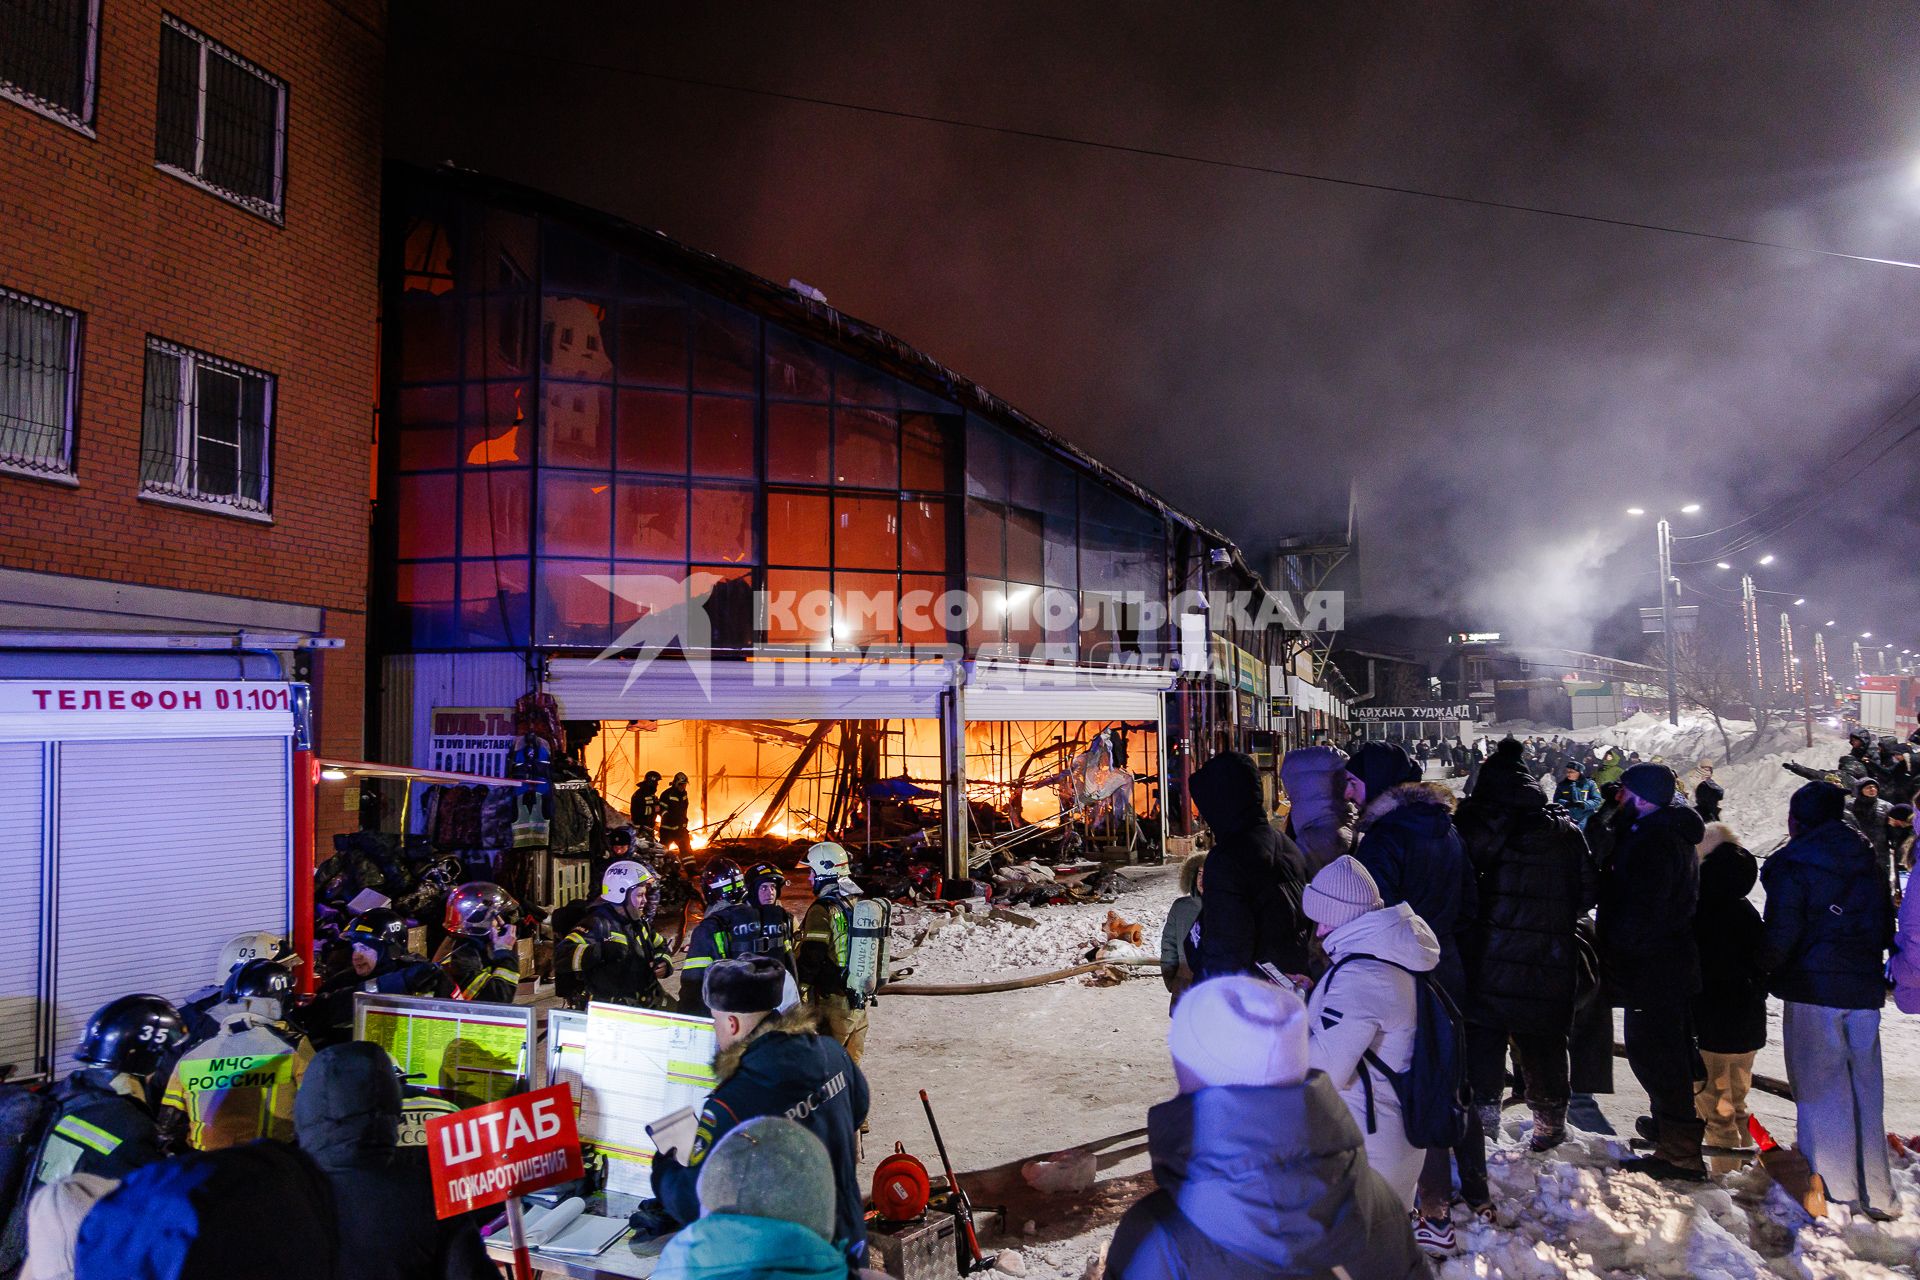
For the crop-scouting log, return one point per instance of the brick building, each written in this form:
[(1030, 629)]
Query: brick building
[(234, 269)]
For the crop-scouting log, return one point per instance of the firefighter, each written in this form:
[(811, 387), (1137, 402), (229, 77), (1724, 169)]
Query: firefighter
[(483, 964), (729, 928), (613, 953), (102, 1121), (765, 883), (377, 960), (239, 1085), (645, 806), (673, 818), (825, 949)]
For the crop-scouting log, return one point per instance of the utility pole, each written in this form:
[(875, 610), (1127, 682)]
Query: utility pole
[(1750, 625), (1806, 688), (1664, 532)]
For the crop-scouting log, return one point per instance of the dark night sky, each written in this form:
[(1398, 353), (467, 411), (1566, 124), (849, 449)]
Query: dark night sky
[(1498, 385)]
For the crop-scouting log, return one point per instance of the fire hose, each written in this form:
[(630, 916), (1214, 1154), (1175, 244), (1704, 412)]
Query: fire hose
[(1009, 984)]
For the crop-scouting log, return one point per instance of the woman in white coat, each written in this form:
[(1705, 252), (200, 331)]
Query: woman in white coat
[(1368, 1004)]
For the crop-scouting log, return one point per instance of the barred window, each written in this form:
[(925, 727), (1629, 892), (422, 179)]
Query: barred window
[(207, 429), (39, 357), (222, 120), (49, 52)]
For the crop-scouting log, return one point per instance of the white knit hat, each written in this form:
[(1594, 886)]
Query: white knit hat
[(1343, 891), (1238, 1030)]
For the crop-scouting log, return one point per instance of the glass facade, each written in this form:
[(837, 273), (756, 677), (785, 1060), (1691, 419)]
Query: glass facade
[(574, 439)]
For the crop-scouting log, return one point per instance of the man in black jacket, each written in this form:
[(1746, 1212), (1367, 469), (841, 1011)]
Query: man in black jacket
[(1708, 795), (1535, 881), (1650, 962), (1829, 923), (1869, 813), (347, 1117), (1250, 903)]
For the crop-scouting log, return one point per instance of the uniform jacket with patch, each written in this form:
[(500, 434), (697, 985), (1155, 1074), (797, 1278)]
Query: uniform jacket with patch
[(614, 957), (724, 933), (481, 972)]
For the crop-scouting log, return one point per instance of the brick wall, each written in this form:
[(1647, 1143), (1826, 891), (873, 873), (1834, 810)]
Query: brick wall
[(91, 224)]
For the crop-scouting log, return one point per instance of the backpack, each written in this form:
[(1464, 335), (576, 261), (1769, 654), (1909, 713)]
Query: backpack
[(1435, 1098), (25, 1116)]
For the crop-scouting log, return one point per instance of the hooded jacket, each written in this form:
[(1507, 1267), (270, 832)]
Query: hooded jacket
[(1730, 1013), (1648, 894), (1409, 846), (1250, 905), (784, 1068), (347, 1117), (733, 1246), (1534, 881), (1905, 966), (1363, 1007), (1320, 820), (1829, 920), (1262, 1184), (1579, 797)]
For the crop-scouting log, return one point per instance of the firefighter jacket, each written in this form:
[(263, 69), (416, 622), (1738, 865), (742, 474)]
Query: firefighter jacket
[(101, 1125), (479, 972), (329, 1019), (239, 1085), (614, 958), (826, 945), (776, 932), (726, 932)]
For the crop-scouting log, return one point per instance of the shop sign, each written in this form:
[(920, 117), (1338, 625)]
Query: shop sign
[(471, 740), (1425, 711)]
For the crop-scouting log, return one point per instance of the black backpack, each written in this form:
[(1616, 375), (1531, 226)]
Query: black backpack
[(1435, 1098), (25, 1116)]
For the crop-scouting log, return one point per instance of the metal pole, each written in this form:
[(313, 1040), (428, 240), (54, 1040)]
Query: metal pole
[(1665, 535), (1806, 688)]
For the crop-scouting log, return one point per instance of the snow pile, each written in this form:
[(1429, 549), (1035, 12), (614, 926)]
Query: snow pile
[(979, 946)]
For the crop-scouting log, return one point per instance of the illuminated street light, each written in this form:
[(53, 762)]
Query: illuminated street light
[(1723, 565), (1832, 623), (1636, 511), (1866, 635), (1766, 559), (1799, 602), (1691, 509)]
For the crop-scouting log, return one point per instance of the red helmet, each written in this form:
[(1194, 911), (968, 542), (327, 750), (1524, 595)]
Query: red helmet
[(478, 908)]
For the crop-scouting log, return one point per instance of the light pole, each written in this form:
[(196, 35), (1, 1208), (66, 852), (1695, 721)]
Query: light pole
[(1664, 532)]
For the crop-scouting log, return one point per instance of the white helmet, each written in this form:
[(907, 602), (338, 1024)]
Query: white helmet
[(827, 862), (261, 944), (622, 877)]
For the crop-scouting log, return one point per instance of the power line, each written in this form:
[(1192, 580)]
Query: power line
[(1183, 157)]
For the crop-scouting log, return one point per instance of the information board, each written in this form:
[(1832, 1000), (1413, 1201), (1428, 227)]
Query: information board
[(637, 1066), (471, 1052)]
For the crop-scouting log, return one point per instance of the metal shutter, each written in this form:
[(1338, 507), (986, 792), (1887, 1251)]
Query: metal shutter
[(22, 805), (166, 850), (669, 689)]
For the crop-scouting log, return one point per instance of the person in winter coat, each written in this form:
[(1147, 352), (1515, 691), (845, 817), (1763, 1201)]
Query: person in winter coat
[(1535, 881), (1255, 876), (771, 1064), (1612, 765), (1579, 797), (766, 1210), (1650, 962), (1829, 922), (347, 1117), (1904, 968), (1321, 793), (1870, 813), (1409, 846), (674, 830), (644, 808), (54, 1216), (1708, 795), (240, 1085), (1260, 1169), (1179, 938), (1364, 1010), (613, 953), (1730, 1013)]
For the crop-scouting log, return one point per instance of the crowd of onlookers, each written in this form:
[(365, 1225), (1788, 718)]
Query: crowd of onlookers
[(1309, 956)]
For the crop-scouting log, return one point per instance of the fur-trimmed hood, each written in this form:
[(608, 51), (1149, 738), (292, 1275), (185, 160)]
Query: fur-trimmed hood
[(1403, 795), (799, 1022), (1718, 833)]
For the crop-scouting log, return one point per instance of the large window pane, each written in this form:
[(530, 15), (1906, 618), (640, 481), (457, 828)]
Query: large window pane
[(1023, 545), (722, 524), (500, 336), (429, 339), (422, 504), (986, 460), (425, 427), (923, 535), (866, 608), (989, 611), (924, 445), (921, 621), (653, 432), (569, 607), (576, 426), (725, 593), (796, 368), (723, 437), (654, 591), (493, 429), (651, 523), (857, 383), (797, 443), (424, 596), (799, 606), (576, 514), (986, 538), (493, 602), (866, 533), (572, 261), (726, 347), (651, 345), (797, 528), (38, 345), (495, 519), (573, 338), (866, 448), (1060, 554)]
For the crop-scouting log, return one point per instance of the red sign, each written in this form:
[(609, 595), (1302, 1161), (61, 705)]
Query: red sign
[(507, 1148)]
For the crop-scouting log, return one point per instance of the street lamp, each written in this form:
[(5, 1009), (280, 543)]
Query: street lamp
[(1767, 559), (1722, 564), (1636, 511), (1800, 601), (1691, 509), (1663, 534)]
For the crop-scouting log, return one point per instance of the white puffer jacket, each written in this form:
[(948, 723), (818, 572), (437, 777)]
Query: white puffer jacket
[(1368, 1006)]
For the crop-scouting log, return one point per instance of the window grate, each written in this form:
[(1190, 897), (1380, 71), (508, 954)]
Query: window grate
[(48, 51), (221, 120), (206, 429), (39, 359)]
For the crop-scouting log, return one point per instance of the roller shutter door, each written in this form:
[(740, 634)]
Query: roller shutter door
[(165, 850), (22, 807), (669, 689), (1062, 704)]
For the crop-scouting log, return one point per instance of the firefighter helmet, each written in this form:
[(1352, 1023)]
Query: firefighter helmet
[(261, 980), (761, 873), (261, 944), (722, 880), (131, 1034), (623, 877), (828, 862), (383, 929), (478, 909)]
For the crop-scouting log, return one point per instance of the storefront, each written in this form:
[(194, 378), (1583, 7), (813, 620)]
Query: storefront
[(145, 824)]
